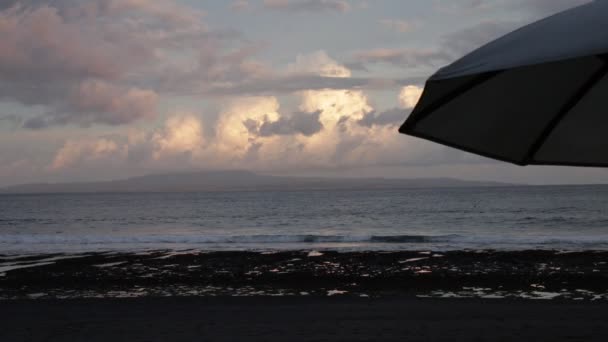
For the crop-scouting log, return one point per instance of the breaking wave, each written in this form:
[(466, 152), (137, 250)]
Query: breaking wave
[(234, 239), (303, 241)]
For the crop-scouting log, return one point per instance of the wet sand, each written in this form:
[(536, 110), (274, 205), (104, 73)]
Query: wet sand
[(301, 319), (471, 274), (305, 296)]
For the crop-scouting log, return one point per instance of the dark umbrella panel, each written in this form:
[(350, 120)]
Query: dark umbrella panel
[(538, 95)]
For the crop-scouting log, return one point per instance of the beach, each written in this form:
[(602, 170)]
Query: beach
[(305, 296), (301, 319), (412, 274)]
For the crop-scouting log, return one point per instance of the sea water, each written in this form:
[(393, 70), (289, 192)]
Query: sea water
[(511, 218)]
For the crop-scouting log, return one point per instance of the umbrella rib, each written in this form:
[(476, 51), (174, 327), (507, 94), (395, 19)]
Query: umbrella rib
[(411, 122), (568, 106)]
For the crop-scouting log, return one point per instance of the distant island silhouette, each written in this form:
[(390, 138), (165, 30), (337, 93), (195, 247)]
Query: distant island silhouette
[(239, 181)]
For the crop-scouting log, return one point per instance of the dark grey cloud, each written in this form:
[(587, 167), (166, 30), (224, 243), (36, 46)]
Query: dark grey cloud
[(403, 57), (456, 44), (38, 122), (291, 84), (389, 117), (308, 5), (105, 61), (356, 66), (451, 47), (307, 124), (102, 61), (544, 7), (99, 102), (533, 8), (461, 42), (10, 120), (75, 67), (462, 5)]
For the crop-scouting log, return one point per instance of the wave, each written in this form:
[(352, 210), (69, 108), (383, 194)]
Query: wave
[(234, 239), (303, 240)]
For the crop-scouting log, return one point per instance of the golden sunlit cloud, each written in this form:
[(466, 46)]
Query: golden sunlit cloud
[(233, 137), (183, 133), (83, 151), (318, 63), (409, 96), (253, 132)]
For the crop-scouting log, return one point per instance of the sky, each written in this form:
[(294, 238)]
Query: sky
[(110, 89)]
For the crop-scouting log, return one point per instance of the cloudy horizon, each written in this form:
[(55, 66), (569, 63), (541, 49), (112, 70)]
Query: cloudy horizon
[(110, 89)]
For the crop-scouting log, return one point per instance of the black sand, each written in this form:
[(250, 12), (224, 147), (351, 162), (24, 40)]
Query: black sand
[(487, 274), (301, 319), (329, 296)]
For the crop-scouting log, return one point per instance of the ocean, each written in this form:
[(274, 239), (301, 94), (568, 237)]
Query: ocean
[(567, 218)]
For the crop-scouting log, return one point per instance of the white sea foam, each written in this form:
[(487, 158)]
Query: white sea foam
[(6, 268), (411, 260), (24, 243), (544, 295), (331, 293), (50, 239), (177, 253), (36, 295), (34, 239), (110, 264), (10, 266)]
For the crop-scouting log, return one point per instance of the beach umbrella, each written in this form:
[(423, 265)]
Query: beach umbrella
[(537, 96)]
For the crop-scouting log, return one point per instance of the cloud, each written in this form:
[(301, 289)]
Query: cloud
[(71, 50), (308, 5), (544, 7), (250, 132), (335, 105), (181, 139), (236, 74), (400, 26), (282, 85), (451, 47), (108, 61), (306, 124), (240, 5), (78, 56), (391, 117), (318, 63), (313, 71), (409, 96), (76, 152), (464, 41), (233, 134), (333, 129), (11, 119), (406, 57), (342, 138), (536, 8), (96, 101), (164, 12), (462, 5), (182, 134)]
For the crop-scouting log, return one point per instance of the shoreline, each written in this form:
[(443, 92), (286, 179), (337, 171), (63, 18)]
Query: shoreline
[(507, 275)]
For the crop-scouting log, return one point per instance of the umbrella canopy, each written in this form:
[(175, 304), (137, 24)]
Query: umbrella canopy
[(538, 95)]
